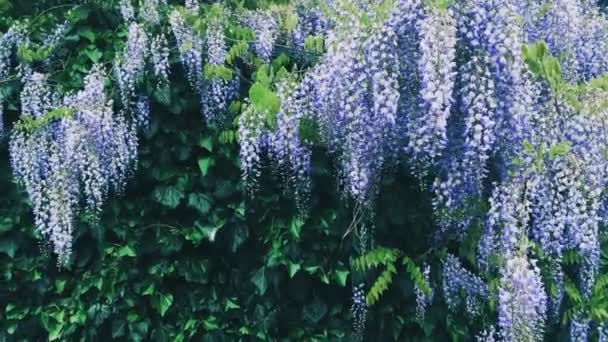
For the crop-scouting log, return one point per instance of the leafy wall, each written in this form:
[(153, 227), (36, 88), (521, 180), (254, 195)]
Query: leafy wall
[(186, 253)]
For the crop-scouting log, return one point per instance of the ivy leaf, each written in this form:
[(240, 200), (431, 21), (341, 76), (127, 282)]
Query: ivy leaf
[(341, 276), (211, 323), (60, 285), (206, 143), (293, 269), (118, 328), (200, 202), (204, 164), (126, 251), (296, 227), (8, 247), (314, 311), (230, 304), (169, 196), (162, 302), (162, 94), (211, 231), (87, 33), (240, 234), (79, 13), (93, 54), (149, 290), (259, 280)]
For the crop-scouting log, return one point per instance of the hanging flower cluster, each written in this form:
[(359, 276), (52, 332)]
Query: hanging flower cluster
[(190, 47), (457, 280), (310, 23), (131, 67), (522, 301), (512, 142), (447, 86), (8, 44), (437, 47), (160, 59), (266, 30), (422, 299), (68, 153), (218, 90), (359, 310)]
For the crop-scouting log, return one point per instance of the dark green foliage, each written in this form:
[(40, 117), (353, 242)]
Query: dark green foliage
[(183, 254)]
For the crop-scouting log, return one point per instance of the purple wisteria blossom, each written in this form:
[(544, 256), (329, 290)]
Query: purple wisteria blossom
[(522, 301)]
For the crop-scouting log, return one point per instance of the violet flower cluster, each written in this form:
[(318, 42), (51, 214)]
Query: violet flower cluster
[(457, 281), (522, 301), (218, 92), (437, 45), (359, 311), (190, 47), (131, 67), (423, 300), (160, 58), (69, 165), (266, 30)]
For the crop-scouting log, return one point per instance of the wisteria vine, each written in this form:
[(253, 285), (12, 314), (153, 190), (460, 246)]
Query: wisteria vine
[(498, 108)]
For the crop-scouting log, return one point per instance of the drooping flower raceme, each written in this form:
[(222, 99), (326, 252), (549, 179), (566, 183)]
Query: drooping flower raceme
[(8, 42), (457, 279), (133, 63), (359, 310), (422, 299), (67, 163), (192, 6), (579, 327), (126, 10), (190, 47), (218, 90), (149, 12), (253, 141), (286, 145), (522, 301), (266, 32), (55, 36), (160, 58), (427, 131)]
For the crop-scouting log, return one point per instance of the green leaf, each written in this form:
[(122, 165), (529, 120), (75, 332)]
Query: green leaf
[(79, 13), (169, 196), (206, 143), (211, 231), (204, 164), (293, 269), (87, 33), (93, 54), (296, 227), (200, 202), (211, 323), (560, 149), (240, 234), (149, 290), (341, 276), (162, 94), (259, 280), (229, 304), (8, 246), (118, 328), (315, 311), (126, 251), (60, 285), (162, 302), (265, 101)]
